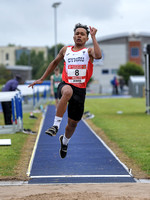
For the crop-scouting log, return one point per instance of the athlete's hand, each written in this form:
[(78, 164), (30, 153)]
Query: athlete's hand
[(92, 31), (39, 81)]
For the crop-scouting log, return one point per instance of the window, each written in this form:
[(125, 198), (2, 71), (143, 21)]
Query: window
[(114, 71), (7, 56), (105, 71), (134, 52)]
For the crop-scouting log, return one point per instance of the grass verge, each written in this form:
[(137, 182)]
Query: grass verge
[(10, 156), (129, 130)]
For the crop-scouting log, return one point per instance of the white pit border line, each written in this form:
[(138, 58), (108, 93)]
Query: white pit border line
[(78, 176), (91, 176), (125, 167), (35, 146), (83, 176)]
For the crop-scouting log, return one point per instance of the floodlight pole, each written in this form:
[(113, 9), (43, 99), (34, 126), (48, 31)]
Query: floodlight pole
[(55, 5), (147, 77)]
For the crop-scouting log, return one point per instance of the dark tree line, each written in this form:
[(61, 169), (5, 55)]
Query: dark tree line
[(38, 62)]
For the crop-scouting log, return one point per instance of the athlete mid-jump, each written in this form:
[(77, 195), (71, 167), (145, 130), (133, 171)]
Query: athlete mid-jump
[(78, 68)]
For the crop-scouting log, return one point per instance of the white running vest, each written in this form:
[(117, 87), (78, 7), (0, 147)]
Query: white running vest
[(76, 66)]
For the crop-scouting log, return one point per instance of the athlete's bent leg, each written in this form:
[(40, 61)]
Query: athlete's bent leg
[(66, 92), (64, 139), (70, 128)]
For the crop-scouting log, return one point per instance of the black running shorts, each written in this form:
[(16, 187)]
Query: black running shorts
[(76, 103)]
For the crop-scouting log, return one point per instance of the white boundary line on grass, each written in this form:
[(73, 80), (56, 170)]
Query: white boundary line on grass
[(126, 168)]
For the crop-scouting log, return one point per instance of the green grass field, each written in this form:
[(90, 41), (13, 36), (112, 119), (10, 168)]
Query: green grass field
[(130, 130), (10, 155)]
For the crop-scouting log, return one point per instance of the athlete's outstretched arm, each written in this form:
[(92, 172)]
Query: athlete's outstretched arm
[(95, 52), (50, 67)]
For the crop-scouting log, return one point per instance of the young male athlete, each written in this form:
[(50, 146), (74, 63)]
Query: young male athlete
[(55, 80), (78, 69)]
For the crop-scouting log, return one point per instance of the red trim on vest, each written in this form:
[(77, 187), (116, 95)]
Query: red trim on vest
[(88, 76)]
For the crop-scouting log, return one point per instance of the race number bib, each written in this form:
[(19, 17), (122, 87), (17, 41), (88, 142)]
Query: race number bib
[(56, 84), (76, 73)]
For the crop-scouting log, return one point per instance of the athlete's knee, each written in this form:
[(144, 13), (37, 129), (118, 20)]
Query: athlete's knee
[(67, 92)]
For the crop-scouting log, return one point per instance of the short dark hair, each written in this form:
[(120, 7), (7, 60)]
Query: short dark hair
[(82, 26)]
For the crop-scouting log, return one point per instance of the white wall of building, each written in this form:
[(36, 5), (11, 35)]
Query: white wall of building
[(113, 56), (7, 55)]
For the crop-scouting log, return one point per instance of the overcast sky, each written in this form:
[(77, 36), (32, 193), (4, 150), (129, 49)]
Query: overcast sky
[(31, 22)]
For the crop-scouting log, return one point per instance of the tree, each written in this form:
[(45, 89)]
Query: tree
[(23, 60), (130, 69), (51, 53), (5, 74), (36, 60)]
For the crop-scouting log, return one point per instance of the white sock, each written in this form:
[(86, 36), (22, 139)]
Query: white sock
[(65, 140), (57, 121)]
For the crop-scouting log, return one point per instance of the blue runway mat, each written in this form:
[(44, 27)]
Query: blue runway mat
[(88, 160)]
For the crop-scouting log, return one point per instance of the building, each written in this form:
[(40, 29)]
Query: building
[(24, 71), (116, 49), (10, 54), (137, 86)]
